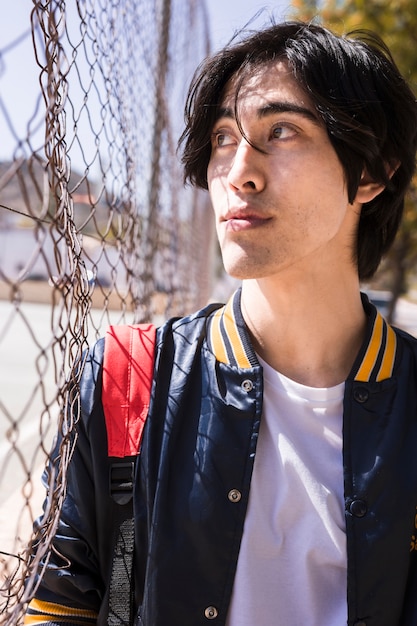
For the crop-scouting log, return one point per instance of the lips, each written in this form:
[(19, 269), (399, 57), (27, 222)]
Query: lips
[(243, 219)]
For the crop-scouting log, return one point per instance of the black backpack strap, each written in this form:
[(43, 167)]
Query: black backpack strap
[(121, 587)]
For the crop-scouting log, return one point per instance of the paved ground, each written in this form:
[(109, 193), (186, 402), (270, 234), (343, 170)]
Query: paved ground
[(24, 356), (406, 316)]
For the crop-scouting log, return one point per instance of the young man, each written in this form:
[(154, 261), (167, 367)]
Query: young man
[(277, 480)]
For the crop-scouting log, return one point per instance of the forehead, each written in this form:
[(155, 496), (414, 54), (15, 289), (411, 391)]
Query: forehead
[(271, 82)]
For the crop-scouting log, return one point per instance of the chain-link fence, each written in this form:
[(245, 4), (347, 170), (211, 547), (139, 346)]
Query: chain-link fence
[(95, 224)]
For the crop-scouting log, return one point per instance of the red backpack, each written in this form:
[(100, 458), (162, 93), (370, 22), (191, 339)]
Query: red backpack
[(127, 380), (128, 363)]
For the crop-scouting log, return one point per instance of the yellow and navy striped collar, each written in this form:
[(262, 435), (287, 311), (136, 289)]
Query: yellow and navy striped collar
[(228, 336), (377, 357), (230, 343)]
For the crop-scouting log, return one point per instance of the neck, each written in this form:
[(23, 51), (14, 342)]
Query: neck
[(310, 332)]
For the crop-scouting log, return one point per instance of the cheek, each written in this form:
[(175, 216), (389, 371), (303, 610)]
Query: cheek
[(211, 180), (217, 190), (218, 168)]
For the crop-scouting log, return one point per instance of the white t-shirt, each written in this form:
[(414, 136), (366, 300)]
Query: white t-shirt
[(292, 562)]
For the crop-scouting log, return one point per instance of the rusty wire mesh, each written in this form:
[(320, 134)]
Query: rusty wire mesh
[(95, 224)]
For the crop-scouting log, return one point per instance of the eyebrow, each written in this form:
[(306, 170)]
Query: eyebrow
[(272, 108)]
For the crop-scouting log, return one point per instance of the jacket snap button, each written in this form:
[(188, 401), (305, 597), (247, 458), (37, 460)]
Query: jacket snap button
[(247, 385), (234, 495), (211, 612), (358, 508), (361, 394)]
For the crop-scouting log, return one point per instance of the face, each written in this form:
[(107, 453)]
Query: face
[(278, 190)]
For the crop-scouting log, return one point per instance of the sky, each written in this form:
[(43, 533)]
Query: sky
[(228, 16)]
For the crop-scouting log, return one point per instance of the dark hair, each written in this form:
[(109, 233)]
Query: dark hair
[(368, 109)]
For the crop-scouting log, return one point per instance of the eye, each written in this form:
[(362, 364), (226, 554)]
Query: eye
[(221, 138), (283, 131)]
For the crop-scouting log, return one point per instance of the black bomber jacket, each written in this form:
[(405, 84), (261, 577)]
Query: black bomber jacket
[(198, 452)]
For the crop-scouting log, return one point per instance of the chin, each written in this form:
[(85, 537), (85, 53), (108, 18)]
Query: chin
[(241, 271), (245, 266)]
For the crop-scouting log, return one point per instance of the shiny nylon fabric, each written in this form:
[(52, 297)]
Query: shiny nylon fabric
[(199, 445)]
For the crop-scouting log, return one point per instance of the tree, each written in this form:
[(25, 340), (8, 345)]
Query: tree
[(396, 22)]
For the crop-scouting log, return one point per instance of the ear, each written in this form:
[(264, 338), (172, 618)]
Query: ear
[(368, 189)]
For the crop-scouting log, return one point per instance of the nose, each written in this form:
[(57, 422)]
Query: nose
[(246, 173)]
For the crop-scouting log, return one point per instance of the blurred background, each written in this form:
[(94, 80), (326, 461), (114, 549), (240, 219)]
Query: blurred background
[(95, 224)]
